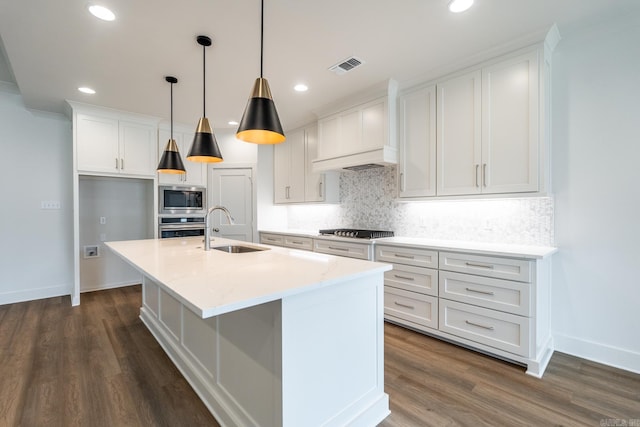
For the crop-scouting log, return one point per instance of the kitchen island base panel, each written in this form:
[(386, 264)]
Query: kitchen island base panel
[(310, 359)]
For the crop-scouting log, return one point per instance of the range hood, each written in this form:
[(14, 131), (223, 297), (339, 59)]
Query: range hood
[(361, 135), (385, 156)]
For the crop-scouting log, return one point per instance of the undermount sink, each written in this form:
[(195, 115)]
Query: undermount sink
[(238, 249)]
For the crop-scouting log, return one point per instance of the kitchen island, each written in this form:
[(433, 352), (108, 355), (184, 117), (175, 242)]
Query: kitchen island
[(276, 337)]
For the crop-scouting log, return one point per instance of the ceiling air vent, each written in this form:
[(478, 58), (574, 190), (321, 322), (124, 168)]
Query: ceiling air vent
[(346, 65)]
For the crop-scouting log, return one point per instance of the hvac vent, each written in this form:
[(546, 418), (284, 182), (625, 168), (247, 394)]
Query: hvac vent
[(346, 65)]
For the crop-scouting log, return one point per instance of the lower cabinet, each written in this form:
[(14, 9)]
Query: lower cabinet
[(496, 305)]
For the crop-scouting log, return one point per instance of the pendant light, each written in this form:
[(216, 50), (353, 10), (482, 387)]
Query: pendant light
[(204, 148), (260, 123), (171, 161)]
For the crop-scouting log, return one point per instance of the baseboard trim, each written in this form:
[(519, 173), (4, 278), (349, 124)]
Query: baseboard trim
[(596, 352), (35, 294), (110, 286)]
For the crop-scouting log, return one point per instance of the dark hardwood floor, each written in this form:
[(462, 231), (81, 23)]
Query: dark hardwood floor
[(98, 365)]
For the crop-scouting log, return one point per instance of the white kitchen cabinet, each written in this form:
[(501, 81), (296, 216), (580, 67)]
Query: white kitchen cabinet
[(288, 168), (495, 304), (195, 172), (417, 166), (410, 289), (459, 135), (510, 128), (488, 127), (293, 179), (115, 145)]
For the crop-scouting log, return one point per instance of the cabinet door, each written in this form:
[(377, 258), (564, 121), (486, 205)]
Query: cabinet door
[(350, 132), (417, 170), (97, 144), (296, 166), (137, 149), (459, 135), (314, 182), (328, 134), (510, 125), (281, 160), (374, 126)]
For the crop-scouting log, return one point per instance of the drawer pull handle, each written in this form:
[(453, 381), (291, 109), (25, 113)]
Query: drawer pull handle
[(477, 291), (404, 305), (297, 242), (339, 249), (471, 264), (403, 277), (404, 256), (479, 325)]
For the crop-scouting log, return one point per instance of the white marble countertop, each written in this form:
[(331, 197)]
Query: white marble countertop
[(213, 282), (498, 249)]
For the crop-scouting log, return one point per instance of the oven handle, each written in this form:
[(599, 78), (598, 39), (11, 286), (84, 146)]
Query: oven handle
[(181, 226)]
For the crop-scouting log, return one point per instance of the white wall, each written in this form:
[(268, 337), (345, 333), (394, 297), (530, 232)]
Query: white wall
[(596, 172), (37, 245), (127, 206)]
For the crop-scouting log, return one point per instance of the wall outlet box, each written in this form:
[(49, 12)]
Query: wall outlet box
[(91, 251)]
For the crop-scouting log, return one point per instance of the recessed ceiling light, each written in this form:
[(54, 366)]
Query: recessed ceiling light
[(86, 90), (233, 123), (101, 12), (457, 6), (300, 87)]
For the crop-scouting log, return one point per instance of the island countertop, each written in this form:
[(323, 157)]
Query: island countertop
[(213, 282)]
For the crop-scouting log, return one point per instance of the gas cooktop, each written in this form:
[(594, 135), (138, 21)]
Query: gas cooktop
[(355, 233)]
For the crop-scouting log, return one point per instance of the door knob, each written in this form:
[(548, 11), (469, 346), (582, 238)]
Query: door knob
[(216, 230)]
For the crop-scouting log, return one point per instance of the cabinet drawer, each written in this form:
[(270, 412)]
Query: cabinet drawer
[(305, 243), (500, 330), (408, 256), (501, 268), (348, 249), (497, 294), (272, 239), (415, 308), (415, 279)]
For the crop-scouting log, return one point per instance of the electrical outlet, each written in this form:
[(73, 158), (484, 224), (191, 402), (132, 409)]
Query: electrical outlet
[(103, 237), (91, 251), (50, 204)]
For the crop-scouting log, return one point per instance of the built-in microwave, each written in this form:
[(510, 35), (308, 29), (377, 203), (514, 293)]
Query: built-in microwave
[(182, 200)]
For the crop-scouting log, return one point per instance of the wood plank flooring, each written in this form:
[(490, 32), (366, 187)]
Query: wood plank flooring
[(98, 365)]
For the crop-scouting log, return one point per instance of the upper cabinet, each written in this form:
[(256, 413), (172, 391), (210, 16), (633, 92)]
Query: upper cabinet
[(195, 173), (488, 133), (294, 180), (114, 144), (359, 135), (417, 170)]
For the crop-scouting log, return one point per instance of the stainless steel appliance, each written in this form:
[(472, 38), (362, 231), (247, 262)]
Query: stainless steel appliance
[(173, 226), (182, 200), (356, 233)]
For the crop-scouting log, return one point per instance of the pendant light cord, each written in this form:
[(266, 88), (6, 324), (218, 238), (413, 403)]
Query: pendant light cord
[(204, 83), (261, 34), (171, 110)]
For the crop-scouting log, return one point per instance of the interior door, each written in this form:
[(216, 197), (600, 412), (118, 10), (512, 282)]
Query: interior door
[(233, 189)]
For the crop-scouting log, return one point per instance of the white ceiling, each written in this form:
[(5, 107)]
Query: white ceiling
[(52, 47)]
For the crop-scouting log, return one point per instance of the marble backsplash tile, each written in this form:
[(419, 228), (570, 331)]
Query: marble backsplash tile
[(368, 200)]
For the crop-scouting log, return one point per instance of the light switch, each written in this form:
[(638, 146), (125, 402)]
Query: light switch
[(103, 220)]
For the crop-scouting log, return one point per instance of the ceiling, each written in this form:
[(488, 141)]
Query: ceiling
[(53, 47)]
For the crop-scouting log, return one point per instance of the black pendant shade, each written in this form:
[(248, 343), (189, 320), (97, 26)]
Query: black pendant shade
[(260, 123), (171, 162), (204, 148)]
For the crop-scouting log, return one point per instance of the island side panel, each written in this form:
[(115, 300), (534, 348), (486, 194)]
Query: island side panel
[(232, 361), (333, 355)]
